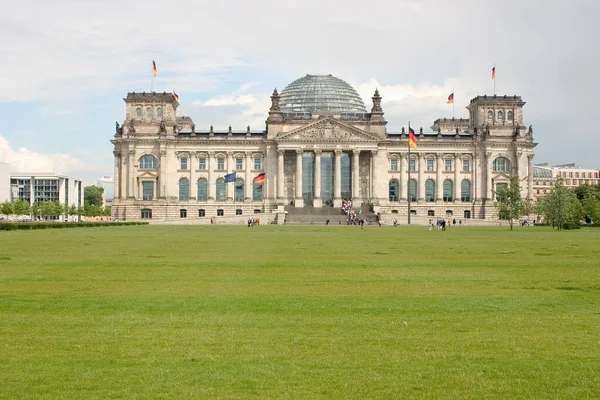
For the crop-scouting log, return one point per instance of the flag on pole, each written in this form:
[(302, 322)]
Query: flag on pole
[(493, 73), (176, 96), (260, 178), (412, 139), (450, 99), (229, 178), (153, 68)]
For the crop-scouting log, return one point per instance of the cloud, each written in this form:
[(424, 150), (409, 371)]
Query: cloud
[(23, 160)]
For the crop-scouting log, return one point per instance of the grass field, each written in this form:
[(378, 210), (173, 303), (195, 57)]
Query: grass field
[(299, 312)]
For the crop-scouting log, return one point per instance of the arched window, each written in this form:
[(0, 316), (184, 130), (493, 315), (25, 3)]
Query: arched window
[(184, 189), (429, 190), (393, 190), (148, 113), (490, 115), (465, 190), (148, 161), (509, 116), (239, 190), (502, 164), (159, 112), (412, 190), (220, 190), (257, 191), (202, 189), (500, 115), (138, 112), (448, 186)]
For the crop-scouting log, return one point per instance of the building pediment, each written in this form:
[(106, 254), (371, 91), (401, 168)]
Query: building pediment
[(327, 130), (147, 175)]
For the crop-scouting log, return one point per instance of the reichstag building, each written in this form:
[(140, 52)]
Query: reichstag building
[(321, 147)]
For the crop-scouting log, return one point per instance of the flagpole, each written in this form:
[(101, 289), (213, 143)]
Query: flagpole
[(408, 181), (494, 78), (453, 91), (152, 84)]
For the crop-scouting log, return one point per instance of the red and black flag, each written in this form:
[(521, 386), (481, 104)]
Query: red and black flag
[(260, 178), (412, 139)]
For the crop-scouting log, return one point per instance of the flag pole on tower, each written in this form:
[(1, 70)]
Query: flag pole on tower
[(494, 77), (153, 76)]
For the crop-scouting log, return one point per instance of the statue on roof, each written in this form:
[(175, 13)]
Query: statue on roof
[(163, 128), (275, 101), (118, 130)]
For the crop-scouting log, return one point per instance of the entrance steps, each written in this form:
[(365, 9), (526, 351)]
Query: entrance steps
[(319, 215)]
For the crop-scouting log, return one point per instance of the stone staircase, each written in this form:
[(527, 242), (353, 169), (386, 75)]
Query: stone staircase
[(318, 216)]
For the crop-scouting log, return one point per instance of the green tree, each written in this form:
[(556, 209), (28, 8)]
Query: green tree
[(7, 208), (511, 205), (21, 207), (36, 210), (73, 209), (591, 207), (560, 207), (107, 211), (47, 209), (93, 195)]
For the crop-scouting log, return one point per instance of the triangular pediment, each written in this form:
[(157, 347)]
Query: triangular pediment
[(327, 130), (147, 174)]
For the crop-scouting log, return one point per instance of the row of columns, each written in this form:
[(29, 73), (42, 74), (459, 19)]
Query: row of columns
[(337, 183)]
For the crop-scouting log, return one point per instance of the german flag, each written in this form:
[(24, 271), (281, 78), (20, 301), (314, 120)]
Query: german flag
[(450, 98), (153, 68), (259, 189), (493, 73), (412, 139), (260, 178), (175, 96)]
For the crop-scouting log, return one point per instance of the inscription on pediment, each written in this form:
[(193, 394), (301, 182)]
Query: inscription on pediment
[(327, 130)]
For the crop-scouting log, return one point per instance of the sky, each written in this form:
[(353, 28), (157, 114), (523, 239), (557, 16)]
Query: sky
[(65, 66)]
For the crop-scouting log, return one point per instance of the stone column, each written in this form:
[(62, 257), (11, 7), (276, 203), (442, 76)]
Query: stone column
[(298, 200), (193, 183), (163, 174), (280, 177), (456, 177), (123, 177), (530, 177), (248, 185), (211, 185), (421, 184), (372, 176), (131, 175), (403, 183), (229, 187), (117, 176), (439, 184), (317, 201), (337, 182), (488, 176), (355, 178)]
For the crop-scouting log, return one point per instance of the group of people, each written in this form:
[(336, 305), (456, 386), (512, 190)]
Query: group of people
[(253, 221), (441, 224)]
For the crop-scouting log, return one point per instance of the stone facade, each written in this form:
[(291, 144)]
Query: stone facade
[(165, 169)]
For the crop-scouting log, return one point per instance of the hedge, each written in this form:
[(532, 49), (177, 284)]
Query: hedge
[(13, 226)]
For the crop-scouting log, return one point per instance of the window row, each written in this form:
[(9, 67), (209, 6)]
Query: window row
[(430, 195), (449, 214), (148, 161), (202, 190), (583, 175), (500, 116), (150, 113), (581, 181), (146, 213), (430, 165)]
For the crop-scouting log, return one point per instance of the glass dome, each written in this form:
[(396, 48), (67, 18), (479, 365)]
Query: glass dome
[(324, 93)]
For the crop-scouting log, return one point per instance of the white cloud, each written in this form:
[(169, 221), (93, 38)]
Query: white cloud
[(23, 160)]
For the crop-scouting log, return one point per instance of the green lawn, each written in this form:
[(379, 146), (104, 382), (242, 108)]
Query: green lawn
[(327, 312)]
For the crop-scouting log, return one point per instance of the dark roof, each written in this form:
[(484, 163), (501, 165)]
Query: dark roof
[(150, 96)]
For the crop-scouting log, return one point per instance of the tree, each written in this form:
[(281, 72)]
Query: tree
[(93, 195), (511, 205), (7, 208), (591, 208), (21, 207), (73, 210), (107, 211), (560, 207)]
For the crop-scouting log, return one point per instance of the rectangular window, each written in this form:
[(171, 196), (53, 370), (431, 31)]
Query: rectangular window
[(220, 164), (394, 164), (568, 181), (183, 213), (238, 163), (202, 164), (201, 213), (576, 174), (238, 212), (146, 213), (220, 213), (184, 163), (466, 165), (429, 165), (412, 165), (448, 165), (257, 163), (147, 190)]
